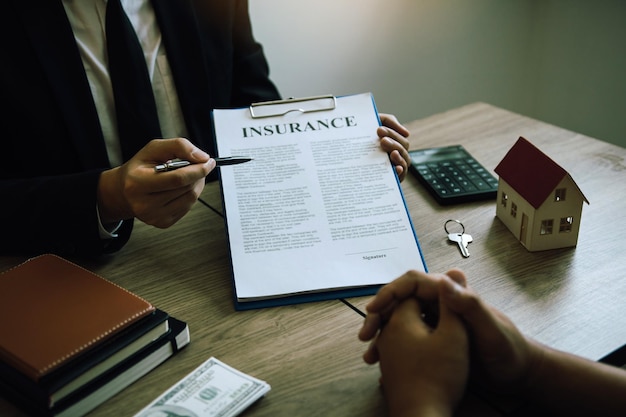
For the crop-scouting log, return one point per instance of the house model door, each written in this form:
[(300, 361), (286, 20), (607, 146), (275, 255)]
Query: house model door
[(523, 229)]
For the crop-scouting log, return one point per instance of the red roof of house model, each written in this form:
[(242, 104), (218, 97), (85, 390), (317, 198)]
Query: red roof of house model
[(531, 172)]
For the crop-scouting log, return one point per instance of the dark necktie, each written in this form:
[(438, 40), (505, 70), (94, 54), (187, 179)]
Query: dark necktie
[(137, 118)]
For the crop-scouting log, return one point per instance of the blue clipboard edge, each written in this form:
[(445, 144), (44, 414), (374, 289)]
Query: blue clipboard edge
[(305, 298)]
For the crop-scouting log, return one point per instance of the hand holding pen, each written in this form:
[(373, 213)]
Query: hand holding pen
[(132, 190), (177, 163)]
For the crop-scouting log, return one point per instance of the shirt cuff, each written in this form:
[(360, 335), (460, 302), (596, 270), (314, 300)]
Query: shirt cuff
[(107, 231)]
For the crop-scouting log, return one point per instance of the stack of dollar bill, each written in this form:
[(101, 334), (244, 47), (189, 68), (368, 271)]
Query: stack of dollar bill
[(212, 389)]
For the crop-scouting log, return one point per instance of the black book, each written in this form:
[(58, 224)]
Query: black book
[(71, 376), (109, 383)]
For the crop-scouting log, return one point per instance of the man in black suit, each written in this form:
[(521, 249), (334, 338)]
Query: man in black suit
[(68, 182)]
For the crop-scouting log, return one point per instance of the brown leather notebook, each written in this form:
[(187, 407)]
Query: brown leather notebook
[(52, 310)]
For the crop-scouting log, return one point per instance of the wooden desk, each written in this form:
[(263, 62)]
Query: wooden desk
[(309, 353)]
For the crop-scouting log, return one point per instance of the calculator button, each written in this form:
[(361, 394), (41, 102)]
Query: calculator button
[(467, 186), (482, 185)]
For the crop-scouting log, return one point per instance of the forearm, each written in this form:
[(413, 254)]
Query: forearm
[(570, 385), (111, 203)]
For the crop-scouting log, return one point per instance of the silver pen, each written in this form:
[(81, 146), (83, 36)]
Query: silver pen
[(179, 163)]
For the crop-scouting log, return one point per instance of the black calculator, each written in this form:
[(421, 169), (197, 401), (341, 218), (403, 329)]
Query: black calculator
[(452, 175)]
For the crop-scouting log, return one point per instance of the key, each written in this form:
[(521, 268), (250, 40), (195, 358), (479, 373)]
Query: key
[(467, 239), (462, 240)]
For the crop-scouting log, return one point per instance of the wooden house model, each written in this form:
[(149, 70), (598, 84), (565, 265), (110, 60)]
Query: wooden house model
[(538, 200)]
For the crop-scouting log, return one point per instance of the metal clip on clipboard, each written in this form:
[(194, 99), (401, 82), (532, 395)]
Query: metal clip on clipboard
[(277, 108)]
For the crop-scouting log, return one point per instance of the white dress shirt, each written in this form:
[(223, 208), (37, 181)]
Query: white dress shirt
[(87, 18)]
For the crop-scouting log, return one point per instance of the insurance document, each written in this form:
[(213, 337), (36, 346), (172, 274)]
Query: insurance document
[(319, 209)]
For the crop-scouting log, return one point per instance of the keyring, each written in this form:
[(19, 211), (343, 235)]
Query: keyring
[(445, 225)]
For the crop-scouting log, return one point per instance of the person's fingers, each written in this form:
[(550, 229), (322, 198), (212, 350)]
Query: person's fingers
[(166, 149), (449, 322), (371, 354), (392, 122), (407, 317), (411, 284), (469, 306), (457, 276), (371, 324)]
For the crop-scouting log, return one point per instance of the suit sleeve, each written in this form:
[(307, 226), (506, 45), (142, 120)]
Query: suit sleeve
[(237, 69), (251, 71), (55, 214)]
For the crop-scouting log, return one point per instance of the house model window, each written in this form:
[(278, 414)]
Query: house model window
[(546, 227), (559, 194), (566, 224), (544, 199), (504, 199)]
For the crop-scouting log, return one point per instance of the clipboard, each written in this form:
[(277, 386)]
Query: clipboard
[(284, 247), (276, 108)]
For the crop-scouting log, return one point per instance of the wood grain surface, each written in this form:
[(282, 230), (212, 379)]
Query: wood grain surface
[(572, 299)]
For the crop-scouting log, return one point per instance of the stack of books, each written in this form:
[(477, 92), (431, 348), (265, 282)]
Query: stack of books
[(70, 339)]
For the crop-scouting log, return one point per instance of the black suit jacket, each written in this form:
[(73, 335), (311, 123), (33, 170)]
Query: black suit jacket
[(52, 146)]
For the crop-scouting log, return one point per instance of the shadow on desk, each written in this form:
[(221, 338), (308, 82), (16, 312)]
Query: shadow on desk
[(535, 273)]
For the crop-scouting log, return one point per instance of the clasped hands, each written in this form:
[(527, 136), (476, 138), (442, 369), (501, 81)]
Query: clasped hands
[(132, 190), (422, 328)]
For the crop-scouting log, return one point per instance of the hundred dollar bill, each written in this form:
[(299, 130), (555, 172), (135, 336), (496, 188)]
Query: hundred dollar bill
[(212, 389)]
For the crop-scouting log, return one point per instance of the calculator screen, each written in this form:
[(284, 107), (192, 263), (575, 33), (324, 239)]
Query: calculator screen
[(440, 154)]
